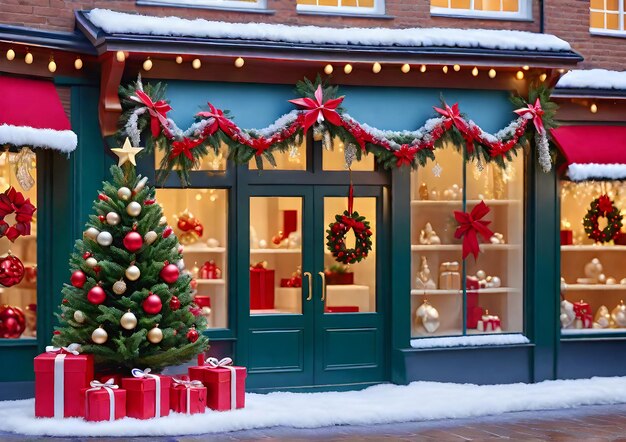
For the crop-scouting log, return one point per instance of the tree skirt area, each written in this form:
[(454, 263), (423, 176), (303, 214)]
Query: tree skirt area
[(386, 403)]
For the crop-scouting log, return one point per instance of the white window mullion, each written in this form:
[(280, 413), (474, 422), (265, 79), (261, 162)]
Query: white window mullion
[(620, 17)]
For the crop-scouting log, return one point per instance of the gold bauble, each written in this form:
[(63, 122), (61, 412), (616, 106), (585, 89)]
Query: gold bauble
[(133, 273), (155, 335), (163, 221), (128, 320), (91, 262), (79, 316), (119, 287), (99, 335), (124, 193), (150, 237), (113, 218), (91, 233), (133, 208)]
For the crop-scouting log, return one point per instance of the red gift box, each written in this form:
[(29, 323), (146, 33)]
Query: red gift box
[(187, 396), (342, 309), (144, 399), (474, 312), (102, 400), (65, 373), (337, 278), (210, 270), (583, 312), (290, 222), (566, 237), (261, 288), (217, 377)]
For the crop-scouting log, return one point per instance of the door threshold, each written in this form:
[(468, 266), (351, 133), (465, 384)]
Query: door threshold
[(317, 388)]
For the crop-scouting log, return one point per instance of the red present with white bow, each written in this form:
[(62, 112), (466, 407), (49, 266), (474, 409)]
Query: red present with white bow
[(147, 394), (104, 401), (225, 383), (187, 397), (60, 375)]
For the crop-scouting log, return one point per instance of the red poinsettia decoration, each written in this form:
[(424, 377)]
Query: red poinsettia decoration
[(220, 121), (317, 109), (13, 202)]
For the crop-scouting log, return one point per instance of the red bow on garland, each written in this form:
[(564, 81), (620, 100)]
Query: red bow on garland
[(14, 202), (605, 204), (158, 111), (405, 155), (219, 121), (184, 146), (454, 115), (470, 225), (533, 112), (318, 110)]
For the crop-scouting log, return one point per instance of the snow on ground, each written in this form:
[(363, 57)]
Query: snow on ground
[(387, 403), (593, 79), (471, 341), (126, 23)]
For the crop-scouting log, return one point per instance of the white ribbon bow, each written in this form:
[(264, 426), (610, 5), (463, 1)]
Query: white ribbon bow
[(59, 375), (188, 386), (214, 362), (138, 373), (226, 363), (70, 349), (109, 386)]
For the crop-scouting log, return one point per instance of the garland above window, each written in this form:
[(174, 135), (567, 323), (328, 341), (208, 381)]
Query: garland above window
[(319, 108)]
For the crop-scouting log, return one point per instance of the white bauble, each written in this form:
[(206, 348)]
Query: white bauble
[(124, 193), (481, 274), (119, 287), (181, 264), (620, 318), (133, 208), (262, 244), (99, 335), (163, 220), (155, 335), (150, 237), (104, 239), (141, 184), (495, 280), (133, 273), (212, 242), (91, 262), (79, 316), (128, 321), (113, 218), (91, 233)]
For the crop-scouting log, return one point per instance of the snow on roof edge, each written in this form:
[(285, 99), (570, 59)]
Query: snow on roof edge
[(128, 23), (593, 79)]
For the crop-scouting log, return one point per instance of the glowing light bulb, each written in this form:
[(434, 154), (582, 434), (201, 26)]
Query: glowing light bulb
[(147, 64), (198, 197), (519, 75), (492, 73), (423, 68), (475, 71), (328, 69), (525, 67), (78, 64), (196, 63), (52, 66), (445, 69), (376, 68), (28, 59), (179, 60), (120, 56), (456, 68), (593, 108), (347, 68), (543, 77), (239, 62), (406, 68), (10, 54)]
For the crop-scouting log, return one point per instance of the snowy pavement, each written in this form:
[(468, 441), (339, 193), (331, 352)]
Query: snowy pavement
[(380, 404)]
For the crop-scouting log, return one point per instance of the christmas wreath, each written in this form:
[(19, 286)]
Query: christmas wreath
[(17, 208), (336, 237), (602, 206)]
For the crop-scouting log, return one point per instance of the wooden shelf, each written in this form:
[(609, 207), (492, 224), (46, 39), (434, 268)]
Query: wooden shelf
[(460, 202), (592, 331), (211, 281), (592, 248), (202, 248), (455, 247), (272, 311), (416, 292), (595, 287), (274, 251)]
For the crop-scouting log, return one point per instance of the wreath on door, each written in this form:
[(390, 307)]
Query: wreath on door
[(602, 206)]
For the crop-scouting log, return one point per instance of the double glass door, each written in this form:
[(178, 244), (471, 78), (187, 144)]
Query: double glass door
[(310, 320)]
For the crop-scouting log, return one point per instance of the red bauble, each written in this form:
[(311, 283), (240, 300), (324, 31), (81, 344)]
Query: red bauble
[(86, 255), (167, 232), (96, 295), (12, 322), (169, 273), (174, 303), (152, 304), (133, 241), (11, 270), (192, 335), (78, 279)]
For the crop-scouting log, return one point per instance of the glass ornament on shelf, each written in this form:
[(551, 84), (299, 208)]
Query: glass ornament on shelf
[(437, 170)]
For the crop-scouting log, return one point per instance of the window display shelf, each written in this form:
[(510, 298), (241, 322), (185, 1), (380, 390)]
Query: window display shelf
[(272, 311), (438, 334), (435, 292), (592, 248), (595, 287), (455, 247), (502, 202), (202, 248), (211, 281), (275, 251), (592, 331)]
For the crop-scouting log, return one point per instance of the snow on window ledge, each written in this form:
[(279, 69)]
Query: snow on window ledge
[(471, 341), (485, 15), (607, 32), (226, 5), (377, 11)]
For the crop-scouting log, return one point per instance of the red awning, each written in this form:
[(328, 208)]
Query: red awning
[(31, 114), (593, 151)]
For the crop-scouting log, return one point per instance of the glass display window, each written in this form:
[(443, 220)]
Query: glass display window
[(213, 162), (200, 219), (593, 279), (451, 296), (294, 158), (334, 159), (18, 303)]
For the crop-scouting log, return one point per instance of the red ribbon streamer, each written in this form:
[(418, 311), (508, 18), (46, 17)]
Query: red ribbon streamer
[(158, 111), (470, 226), (533, 112), (318, 110)]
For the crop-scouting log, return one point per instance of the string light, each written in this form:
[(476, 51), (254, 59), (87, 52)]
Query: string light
[(519, 75), (347, 68), (10, 54), (52, 66), (475, 71), (492, 73), (78, 64), (328, 69), (445, 69), (376, 68), (543, 77), (196, 63), (525, 67), (239, 62), (179, 60), (406, 68), (456, 68), (198, 197), (593, 108), (120, 56), (561, 71), (147, 64), (28, 59), (423, 68)]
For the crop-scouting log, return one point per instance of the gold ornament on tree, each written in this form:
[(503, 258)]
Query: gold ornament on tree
[(155, 335), (119, 287), (79, 316), (128, 320), (99, 335), (23, 162)]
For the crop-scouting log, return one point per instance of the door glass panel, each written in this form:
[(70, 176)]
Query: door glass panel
[(294, 158), (335, 159), (350, 288), (211, 162), (200, 220), (275, 255)]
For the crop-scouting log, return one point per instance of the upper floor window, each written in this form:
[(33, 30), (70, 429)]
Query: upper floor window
[(494, 9), (606, 16), (240, 4), (374, 7)]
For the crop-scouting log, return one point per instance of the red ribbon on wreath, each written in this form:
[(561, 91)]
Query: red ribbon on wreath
[(158, 111), (318, 110), (13, 202), (605, 204), (470, 226)]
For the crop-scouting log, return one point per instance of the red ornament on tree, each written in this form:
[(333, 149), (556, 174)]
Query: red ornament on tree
[(12, 322), (11, 270), (174, 303), (96, 295), (78, 279), (167, 232), (103, 197), (133, 241), (169, 273), (192, 334), (86, 255), (102, 218), (152, 304)]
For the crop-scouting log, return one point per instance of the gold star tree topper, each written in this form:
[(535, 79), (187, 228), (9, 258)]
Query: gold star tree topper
[(127, 153)]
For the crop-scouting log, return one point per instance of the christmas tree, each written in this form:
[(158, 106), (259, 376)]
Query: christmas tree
[(128, 303)]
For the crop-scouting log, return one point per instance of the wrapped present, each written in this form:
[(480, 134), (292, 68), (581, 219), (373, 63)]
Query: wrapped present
[(489, 323), (210, 270), (60, 376), (147, 394), (261, 287), (225, 383), (474, 311), (295, 280), (103, 401), (584, 316), (187, 396), (341, 309), (566, 237), (449, 276), (290, 222)]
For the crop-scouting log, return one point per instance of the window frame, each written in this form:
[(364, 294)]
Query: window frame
[(524, 13), (378, 9), (211, 4), (605, 31)]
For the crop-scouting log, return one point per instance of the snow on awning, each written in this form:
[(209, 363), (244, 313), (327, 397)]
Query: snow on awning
[(593, 152), (32, 115), (593, 79)]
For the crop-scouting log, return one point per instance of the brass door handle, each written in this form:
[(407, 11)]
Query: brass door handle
[(323, 275), (308, 275)]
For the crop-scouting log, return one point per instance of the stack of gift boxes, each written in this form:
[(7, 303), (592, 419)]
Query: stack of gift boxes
[(65, 387)]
